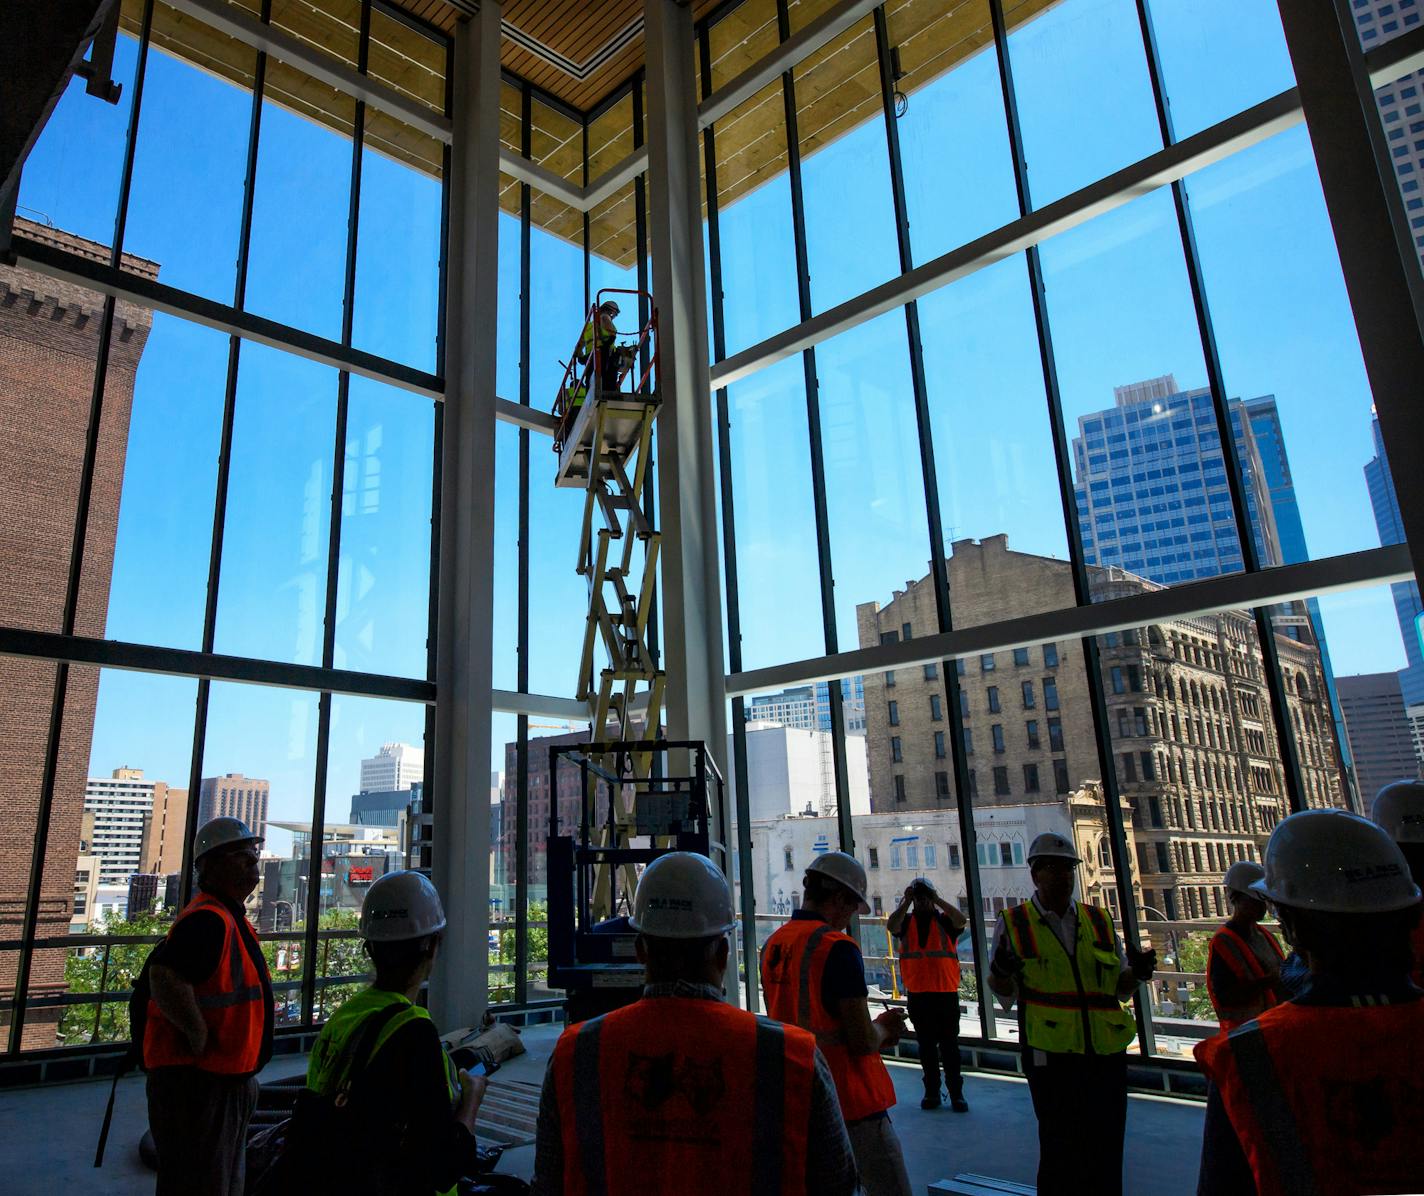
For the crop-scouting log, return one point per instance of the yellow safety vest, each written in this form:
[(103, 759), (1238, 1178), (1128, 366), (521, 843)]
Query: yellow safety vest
[(1069, 1001), (347, 1020)]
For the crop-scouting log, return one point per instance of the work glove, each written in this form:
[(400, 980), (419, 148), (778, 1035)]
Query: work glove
[(1142, 963), (1006, 962)]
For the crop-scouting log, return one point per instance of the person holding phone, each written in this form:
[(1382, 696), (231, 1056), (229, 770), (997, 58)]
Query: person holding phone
[(414, 1089)]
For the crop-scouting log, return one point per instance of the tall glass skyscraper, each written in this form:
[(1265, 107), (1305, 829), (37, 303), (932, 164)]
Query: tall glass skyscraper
[(1152, 491), (1407, 606)]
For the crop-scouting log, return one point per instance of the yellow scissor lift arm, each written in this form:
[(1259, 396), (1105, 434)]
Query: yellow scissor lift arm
[(604, 445)]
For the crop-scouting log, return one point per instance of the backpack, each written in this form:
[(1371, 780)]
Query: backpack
[(133, 1057), (299, 1149)]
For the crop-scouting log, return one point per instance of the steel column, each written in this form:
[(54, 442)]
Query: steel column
[(464, 666), (692, 612)]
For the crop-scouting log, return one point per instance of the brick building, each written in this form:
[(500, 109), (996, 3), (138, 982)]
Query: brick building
[(49, 344), (163, 845), (565, 793), (1195, 750), (233, 795)]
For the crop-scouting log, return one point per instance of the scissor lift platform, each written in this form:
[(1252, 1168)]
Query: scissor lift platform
[(623, 418)]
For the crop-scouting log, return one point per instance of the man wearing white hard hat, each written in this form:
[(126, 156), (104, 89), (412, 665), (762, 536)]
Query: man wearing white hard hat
[(1243, 960), (1325, 1092), (813, 976), (681, 1092), (209, 1025), (1399, 809), (1063, 962), (385, 1052)]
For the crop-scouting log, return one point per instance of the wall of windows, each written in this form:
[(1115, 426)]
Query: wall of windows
[(1133, 402), (214, 507)]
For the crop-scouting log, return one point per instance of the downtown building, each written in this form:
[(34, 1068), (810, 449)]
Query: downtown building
[(808, 707), (50, 333), (1382, 740), (1407, 607), (1194, 749), (233, 795)]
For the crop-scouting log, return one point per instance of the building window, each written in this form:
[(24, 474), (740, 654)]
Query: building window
[(968, 742), (936, 708), (997, 731), (993, 699), (888, 637), (959, 666), (1028, 700), (1050, 694), (894, 714), (953, 850), (890, 679), (1006, 855), (1154, 812), (930, 856), (905, 630), (986, 663), (1055, 735), (941, 784), (875, 857), (1129, 766), (939, 745), (912, 855), (963, 704), (1060, 776), (877, 905), (1031, 727), (895, 857), (1164, 864), (1149, 767), (1118, 685), (1001, 780), (973, 785), (1030, 778), (787, 864), (1020, 656), (1050, 656), (895, 754), (1139, 720), (899, 787), (931, 672)]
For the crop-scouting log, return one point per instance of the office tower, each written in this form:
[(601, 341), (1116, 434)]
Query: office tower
[(1407, 606), (1381, 738), (395, 766), (233, 795)]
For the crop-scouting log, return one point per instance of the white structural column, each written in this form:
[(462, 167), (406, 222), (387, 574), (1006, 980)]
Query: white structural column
[(460, 789), (691, 610)]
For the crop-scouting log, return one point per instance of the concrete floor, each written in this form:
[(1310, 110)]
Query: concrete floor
[(47, 1135)]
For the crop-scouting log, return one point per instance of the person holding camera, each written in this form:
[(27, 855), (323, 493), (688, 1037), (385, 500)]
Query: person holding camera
[(927, 928), (1063, 962)]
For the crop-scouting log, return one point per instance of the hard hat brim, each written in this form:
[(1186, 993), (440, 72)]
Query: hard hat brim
[(688, 936), (1259, 889), (228, 843), (371, 933)]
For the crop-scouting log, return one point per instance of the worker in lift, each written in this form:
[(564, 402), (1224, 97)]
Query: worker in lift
[(597, 342)]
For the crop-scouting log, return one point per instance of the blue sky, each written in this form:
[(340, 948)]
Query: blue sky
[(1117, 299)]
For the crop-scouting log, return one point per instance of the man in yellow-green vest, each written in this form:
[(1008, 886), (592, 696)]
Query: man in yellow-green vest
[(1062, 960), (419, 1107)]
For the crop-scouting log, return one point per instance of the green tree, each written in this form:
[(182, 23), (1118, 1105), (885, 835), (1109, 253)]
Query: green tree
[(112, 968), (501, 983), (1191, 957)]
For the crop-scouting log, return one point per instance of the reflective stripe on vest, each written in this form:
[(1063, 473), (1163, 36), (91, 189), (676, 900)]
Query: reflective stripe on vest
[(231, 1000), (1054, 984), (690, 1096), (1325, 1099), (793, 965), (931, 966), (1238, 955)]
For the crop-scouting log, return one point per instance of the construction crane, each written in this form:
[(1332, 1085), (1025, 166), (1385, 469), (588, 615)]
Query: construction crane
[(605, 407)]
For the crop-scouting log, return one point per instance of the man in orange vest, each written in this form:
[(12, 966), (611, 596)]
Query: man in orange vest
[(929, 969), (681, 1092), (1243, 960), (1399, 809), (209, 1026), (814, 977), (1325, 1093)]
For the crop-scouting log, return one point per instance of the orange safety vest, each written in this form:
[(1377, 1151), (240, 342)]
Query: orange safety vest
[(1234, 951), (684, 1095), (1325, 1100), (231, 1000), (931, 966), (793, 963)]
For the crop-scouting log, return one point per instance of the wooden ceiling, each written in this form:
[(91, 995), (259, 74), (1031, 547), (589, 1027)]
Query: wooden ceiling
[(576, 50)]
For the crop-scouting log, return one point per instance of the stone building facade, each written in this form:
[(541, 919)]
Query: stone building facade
[(1195, 751), (49, 347)]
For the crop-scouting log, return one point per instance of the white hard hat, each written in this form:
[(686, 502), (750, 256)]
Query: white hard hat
[(221, 832), (682, 895), (924, 882), (1399, 809), (1335, 862), (1051, 843), (1242, 875), (843, 869), (401, 906)]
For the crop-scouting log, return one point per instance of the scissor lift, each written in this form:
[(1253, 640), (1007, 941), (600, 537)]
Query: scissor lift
[(604, 446)]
